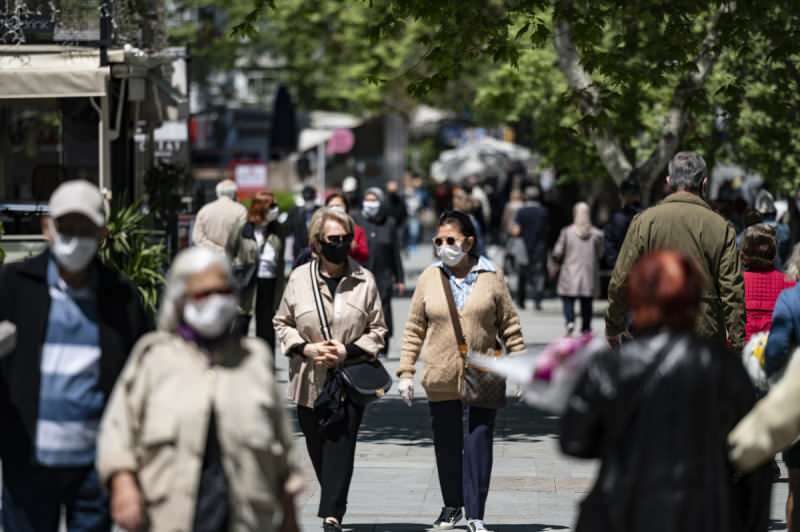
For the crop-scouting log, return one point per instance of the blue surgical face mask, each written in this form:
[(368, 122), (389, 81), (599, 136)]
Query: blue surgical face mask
[(371, 208)]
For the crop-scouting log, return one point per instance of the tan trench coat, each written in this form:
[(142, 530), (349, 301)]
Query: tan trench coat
[(157, 422), (355, 313), (580, 262), (216, 222)]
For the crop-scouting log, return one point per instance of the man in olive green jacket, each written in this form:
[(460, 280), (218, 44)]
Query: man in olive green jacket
[(684, 222)]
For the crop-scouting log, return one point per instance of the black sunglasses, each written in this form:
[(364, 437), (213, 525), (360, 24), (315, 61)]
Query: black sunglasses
[(438, 242), (340, 239)]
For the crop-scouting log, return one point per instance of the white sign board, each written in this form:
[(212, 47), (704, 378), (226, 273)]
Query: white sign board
[(251, 176)]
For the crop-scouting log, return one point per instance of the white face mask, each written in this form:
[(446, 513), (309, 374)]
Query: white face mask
[(371, 208), (338, 208), (273, 214), (212, 316), (71, 252), (451, 255)]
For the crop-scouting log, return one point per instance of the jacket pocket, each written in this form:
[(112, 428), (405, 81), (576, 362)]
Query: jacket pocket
[(158, 457), (443, 376)]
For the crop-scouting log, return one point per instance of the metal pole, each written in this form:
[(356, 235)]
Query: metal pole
[(105, 30), (321, 169)]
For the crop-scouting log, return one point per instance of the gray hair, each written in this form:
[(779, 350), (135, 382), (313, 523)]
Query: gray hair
[(188, 262), (687, 170), (227, 188), (316, 230)]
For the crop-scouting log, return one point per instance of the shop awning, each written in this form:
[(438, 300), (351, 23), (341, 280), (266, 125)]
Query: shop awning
[(51, 74)]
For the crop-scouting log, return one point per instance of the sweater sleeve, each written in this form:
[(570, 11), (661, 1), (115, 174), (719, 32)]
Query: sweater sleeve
[(508, 324), (416, 331), (780, 337)]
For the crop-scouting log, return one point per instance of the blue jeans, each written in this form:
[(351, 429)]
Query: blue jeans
[(34, 495), (586, 311)]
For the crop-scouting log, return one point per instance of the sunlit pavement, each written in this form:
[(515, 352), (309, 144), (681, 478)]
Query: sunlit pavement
[(395, 486)]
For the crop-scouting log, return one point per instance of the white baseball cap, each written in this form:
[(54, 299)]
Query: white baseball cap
[(78, 197)]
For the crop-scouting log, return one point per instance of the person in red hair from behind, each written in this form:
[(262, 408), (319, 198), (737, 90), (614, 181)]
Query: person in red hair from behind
[(657, 412), (763, 282)]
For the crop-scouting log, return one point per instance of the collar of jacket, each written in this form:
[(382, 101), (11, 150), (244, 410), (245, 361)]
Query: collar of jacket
[(686, 197)]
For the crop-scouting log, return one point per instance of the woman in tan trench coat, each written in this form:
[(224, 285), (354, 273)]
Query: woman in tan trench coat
[(578, 252), (195, 437), (353, 307)]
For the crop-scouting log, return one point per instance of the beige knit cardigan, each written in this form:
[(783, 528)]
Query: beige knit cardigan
[(488, 314)]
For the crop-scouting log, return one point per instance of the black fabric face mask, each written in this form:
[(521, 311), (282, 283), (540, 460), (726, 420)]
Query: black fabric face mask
[(336, 253)]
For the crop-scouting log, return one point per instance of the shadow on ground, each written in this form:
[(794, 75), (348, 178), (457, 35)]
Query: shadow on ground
[(390, 421), (410, 527)]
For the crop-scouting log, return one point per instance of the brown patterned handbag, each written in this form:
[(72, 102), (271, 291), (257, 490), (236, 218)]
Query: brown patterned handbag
[(481, 388)]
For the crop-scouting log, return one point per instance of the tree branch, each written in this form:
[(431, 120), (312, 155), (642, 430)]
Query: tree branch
[(676, 117), (580, 82)]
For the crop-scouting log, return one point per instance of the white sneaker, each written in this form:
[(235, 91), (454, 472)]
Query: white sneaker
[(476, 525)]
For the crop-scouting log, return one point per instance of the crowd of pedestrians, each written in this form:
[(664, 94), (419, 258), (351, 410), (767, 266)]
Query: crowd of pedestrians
[(178, 424)]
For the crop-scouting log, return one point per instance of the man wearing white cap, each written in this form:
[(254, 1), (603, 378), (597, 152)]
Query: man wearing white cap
[(216, 221), (76, 322)]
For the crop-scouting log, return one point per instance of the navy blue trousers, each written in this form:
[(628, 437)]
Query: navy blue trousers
[(33, 497), (463, 439)]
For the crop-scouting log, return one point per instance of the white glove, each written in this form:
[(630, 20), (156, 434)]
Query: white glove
[(406, 389), (8, 338)]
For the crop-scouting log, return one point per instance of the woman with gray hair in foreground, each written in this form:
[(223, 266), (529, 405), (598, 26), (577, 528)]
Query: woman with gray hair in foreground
[(195, 437)]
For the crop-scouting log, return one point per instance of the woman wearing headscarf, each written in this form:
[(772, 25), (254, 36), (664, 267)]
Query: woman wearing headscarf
[(351, 306), (195, 437), (463, 433), (657, 412), (384, 253), (578, 251)]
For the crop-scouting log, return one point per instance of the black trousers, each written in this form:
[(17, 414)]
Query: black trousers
[(587, 304), (265, 311), (534, 273), (463, 441), (333, 457)]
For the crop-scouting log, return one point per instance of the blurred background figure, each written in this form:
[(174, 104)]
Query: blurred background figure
[(360, 250), (385, 261), (394, 204), (351, 190), (358, 332), (216, 221), (462, 201), (258, 251), (300, 219), (531, 225), (416, 199), (578, 251), (765, 206), (620, 220), (762, 281), (657, 413), (197, 406)]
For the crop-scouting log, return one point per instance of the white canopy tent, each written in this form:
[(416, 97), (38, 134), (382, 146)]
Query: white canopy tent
[(481, 157)]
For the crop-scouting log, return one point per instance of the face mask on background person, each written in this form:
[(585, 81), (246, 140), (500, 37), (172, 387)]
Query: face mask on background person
[(336, 253), (273, 214), (371, 208), (212, 316), (451, 255), (71, 252)]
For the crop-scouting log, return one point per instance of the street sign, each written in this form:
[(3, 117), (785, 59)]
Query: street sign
[(250, 178)]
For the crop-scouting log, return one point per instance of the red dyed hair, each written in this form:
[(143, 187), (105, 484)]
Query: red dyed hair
[(664, 291), (257, 212)]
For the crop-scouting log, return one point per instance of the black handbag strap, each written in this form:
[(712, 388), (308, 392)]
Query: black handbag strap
[(319, 303), (451, 305)]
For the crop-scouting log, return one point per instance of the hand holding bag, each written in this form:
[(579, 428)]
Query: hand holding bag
[(481, 388)]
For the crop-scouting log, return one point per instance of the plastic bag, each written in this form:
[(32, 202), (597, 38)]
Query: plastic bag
[(753, 360), (547, 378)]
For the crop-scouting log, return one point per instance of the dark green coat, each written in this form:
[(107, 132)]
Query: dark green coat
[(684, 222)]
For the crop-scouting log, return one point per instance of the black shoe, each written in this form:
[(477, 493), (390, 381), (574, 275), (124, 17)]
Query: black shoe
[(331, 527), (537, 306), (448, 518)]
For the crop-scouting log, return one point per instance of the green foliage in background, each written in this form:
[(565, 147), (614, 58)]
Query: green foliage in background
[(129, 248)]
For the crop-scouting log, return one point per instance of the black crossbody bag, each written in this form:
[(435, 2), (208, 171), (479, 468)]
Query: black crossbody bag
[(363, 380)]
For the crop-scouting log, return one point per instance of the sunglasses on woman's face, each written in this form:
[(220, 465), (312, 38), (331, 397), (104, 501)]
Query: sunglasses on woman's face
[(199, 296), (450, 241), (340, 239)]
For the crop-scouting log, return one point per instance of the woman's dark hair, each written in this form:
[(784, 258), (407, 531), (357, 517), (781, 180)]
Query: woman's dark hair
[(759, 247), (341, 197), (664, 291), (464, 224)]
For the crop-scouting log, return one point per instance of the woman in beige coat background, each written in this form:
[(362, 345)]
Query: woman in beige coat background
[(195, 437), (578, 251), (353, 308)]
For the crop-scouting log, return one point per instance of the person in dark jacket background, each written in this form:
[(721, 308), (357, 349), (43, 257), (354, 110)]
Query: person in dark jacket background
[(657, 413), (620, 220), (77, 320), (384, 260), (531, 224), (300, 219)]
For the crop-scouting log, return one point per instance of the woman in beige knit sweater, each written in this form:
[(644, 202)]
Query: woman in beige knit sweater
[(486, 312)]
